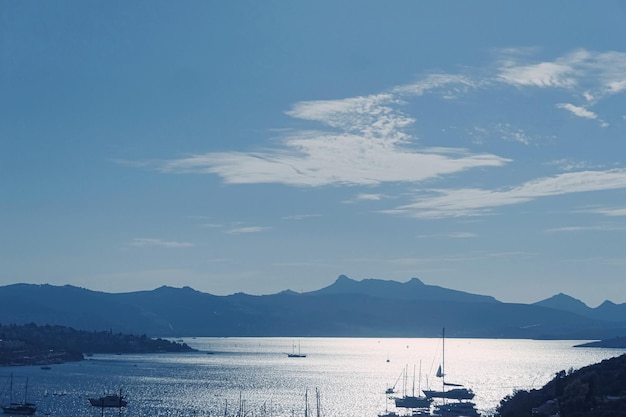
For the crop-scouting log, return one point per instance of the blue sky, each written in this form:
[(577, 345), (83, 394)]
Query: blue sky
[(258, 146)]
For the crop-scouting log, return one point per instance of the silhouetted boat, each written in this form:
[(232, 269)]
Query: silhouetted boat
[(456, 409), (109, 401), (451, 394), (23, 409), (412, 401)]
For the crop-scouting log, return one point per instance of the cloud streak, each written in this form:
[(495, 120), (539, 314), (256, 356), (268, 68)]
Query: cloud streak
[(248, 229), (141, 242), (472, 201), (578, 111)]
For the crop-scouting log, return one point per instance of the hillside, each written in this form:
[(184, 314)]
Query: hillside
[(30, 344), (346, 308), (597, 390)]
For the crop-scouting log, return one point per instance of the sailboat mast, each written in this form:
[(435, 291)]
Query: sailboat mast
[(419, 382), (443, 356), (11, 389), (443, 362)]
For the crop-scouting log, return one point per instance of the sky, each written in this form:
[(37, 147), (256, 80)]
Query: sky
[(248, 146)]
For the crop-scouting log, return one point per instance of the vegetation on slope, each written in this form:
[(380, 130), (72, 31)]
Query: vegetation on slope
[(594, 391)]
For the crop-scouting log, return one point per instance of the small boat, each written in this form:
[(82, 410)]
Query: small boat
[(293, 353), (22, 409), (109, 401)]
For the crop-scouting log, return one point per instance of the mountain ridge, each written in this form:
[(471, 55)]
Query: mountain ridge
[(607, 311), (346, 308)]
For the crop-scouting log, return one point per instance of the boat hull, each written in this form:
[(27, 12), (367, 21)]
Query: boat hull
[(110, 401), (453, 394), (413, 402), (20, 409)]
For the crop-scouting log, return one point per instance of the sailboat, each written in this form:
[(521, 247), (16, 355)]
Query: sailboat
[(25, 408), (461, 408), (411, 401), (109, 401), (293, 353)]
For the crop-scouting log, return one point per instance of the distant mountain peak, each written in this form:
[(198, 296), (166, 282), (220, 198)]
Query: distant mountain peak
[(562, 297), (608, 303), (414, 289), (565, 302), (342, 278)]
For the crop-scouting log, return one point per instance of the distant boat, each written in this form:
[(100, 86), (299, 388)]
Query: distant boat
[(293, 353), (23, 409), (109, 401)]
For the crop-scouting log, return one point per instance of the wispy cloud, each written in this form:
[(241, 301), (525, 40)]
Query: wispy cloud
[(212, 225), (569, 165), (454, 235), (369, 197), (600, 228), (140, 241), (544, 74), (578, 111), (248, 229), (595, 74), (471, 201), (610, 212), (300, 216), (333, 160), (445, 85)]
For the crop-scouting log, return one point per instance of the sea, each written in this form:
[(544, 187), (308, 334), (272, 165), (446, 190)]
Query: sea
[(346, 377)]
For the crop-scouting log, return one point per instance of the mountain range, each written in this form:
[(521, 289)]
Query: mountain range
[(346, 308)]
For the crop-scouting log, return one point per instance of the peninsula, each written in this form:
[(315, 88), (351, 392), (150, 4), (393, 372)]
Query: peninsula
[(31, 344)]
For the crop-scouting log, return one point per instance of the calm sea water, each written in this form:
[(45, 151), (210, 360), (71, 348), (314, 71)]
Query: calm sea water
[(351, 375)]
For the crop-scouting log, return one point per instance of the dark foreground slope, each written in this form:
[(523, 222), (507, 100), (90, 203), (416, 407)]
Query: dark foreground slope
[(593, 391)]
